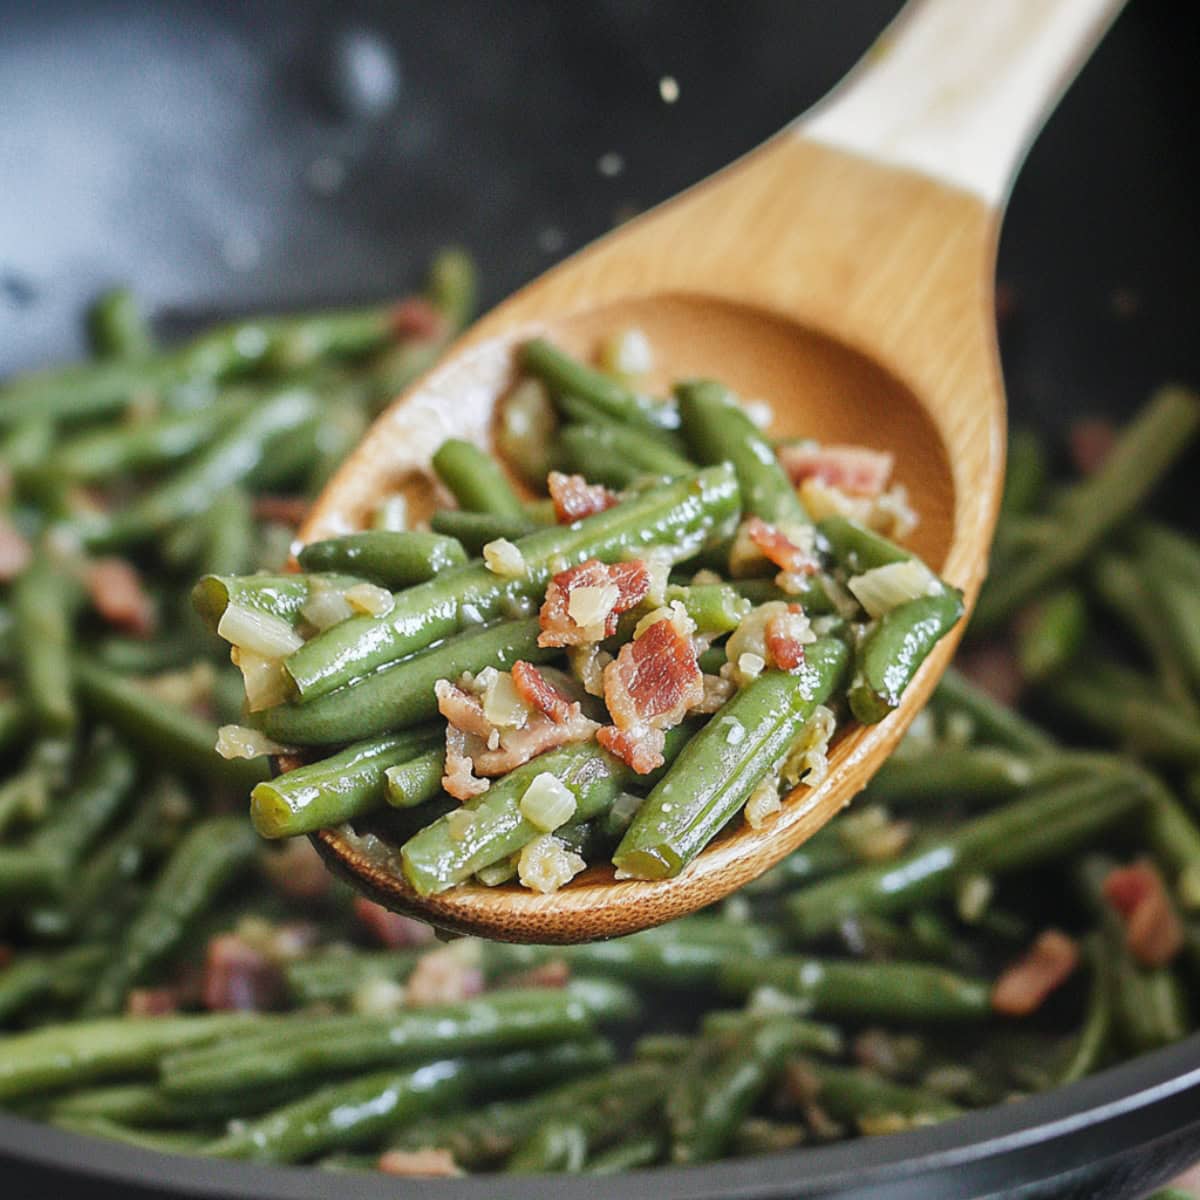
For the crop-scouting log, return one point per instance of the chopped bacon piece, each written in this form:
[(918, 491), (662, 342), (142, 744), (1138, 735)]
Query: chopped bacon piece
[(640, 749), (631, 579), (854, 470), (654, 680), (553, 974), (785, 638), (536, 736), (779, 548), (993, 667), (458, 772), (15, 551), (1024, 987), (1091, 441), (418, 320), (461, 709), (391, 929), (429, 1163), (574, 498), (239, 978), (1153, 929), (538, 692), (443, 976), (116, 592), (286, 510), (152, 1002)]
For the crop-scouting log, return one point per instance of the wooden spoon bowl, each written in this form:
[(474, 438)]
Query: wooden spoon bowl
[(855, 296)]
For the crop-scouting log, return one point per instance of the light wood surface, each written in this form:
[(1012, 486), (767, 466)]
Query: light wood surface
[(856, 299)]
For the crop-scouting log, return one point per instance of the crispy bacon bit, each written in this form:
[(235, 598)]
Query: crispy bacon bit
[(553, 974), (461, 709), (419, 1164), (152, 1002), (641, 749), (1091, 441), (1153, 929), (443, 976), (417, 319), (854, 470), (116, 592), (538, 692), (239, 978), (296, 871), (286, 510), (786, 634), (779, 548), (631, 579), (539, 734), (574, 498), (15, 551), (993, 667), (648, 688), (388, 928), (1024, 987)]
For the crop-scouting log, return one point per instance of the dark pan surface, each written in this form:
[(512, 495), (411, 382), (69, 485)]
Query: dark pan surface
[(191, 149)]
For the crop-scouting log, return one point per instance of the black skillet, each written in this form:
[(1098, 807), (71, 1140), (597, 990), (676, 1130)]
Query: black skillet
[(227, 157)]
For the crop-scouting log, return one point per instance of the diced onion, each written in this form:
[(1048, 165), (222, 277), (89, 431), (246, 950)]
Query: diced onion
[(326, 607), (750, 666), (883, 588), (237, 741), (624, 809), (589, 606), (627, 352), (378, 997), (391, 513), (808, 759), (546, 864), (370, 598), (504, 558), (264, 633), (764, 803), (547, 803), (265, 680), (502, 703)]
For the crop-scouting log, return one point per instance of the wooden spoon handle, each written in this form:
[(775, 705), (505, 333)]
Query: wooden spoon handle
[(958, 89)]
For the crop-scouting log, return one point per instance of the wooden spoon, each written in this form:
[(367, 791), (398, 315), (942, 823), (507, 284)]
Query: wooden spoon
[(843, 272)]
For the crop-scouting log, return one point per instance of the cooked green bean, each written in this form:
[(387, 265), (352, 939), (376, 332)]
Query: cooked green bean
[(1051, 633), (474, 530), (279, 595), (862, 1096), (43, 600), (391, 559), (1025, 472), (617, 455), (476, 479), (992, 722), (415, 781)]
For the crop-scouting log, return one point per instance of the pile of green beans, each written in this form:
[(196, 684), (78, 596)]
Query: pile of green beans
[(850, 991)]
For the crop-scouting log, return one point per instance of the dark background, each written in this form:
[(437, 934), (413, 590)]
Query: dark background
[(190, 148)]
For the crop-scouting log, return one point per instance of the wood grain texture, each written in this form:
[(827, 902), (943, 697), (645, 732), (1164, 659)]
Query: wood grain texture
[(857, 300)]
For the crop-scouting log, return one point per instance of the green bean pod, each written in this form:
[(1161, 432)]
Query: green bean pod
[(473, 530), (409, 784), (392, 559), (44, 601), (476, 479)]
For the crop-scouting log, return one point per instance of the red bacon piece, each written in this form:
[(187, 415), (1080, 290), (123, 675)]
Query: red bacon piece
[(1091, 441), (854, 470), (152, 1002), (1024, 987), (239, 978), (993, 667), (15, 551), (631, 580), (539, 734), (417, 319), (539, 693), (388, 928), (1153, 929), (574, 498), (116, 592), (654, 680), (784, 647), (285, 510), (458, 771), (461, 709), (779, 548), (640, 749)]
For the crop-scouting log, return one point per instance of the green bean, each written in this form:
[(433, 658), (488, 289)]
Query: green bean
[(525, 432), (156, 442), (401, 694), (1174, 837), (1149, 1004), (451, 285), (1050, 633), (212, 854), (334, 976), (117, 328), (347, 785), (442, 854), (1094, 1037), (416, 781), (14, 721), (680, 515), (616, 455), (227, 460), (1025, 473), (344, 1115), (474, 530), (822, 855), (630, 1153), (890, 654), (167, 732), (857, 549), (565, 375), (476, 479), (1148, 446), (229, 529), (715, 607), (992, 721), (27, 445), (717, 429), (1044, 825), (1177, 599), (1122, 587), (810, 1037), (856, 1094), (60, 1056), (391, 559), (577, 410), (280, 595), (36, 977), (716, 772), (175, 1141), (560, 1144), (44, 600), (900, 992), (322, 1046)]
